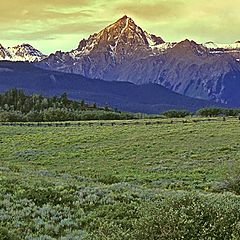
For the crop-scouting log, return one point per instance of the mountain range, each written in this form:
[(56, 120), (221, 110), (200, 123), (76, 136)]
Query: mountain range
[(124, 52), (125, 96)]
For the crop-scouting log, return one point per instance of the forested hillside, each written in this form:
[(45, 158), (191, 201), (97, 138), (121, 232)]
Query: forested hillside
[(15, 105)]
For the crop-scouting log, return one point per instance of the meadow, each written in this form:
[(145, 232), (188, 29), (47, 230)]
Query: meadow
[(121, 181)]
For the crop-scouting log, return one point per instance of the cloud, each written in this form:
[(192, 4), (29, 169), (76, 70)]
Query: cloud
[(153, 10), (55, 31), (26, 11), (68, 20)]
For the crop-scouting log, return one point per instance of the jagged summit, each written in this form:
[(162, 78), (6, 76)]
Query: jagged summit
[(122, 36), (124, 17), (123, 20)]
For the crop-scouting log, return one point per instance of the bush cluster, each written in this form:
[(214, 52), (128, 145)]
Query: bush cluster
[(176, 113), (214, 112)]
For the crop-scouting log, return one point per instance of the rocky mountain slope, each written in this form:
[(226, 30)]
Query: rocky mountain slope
[(125, 52), (119, 43), (23, 52), (148, 98)]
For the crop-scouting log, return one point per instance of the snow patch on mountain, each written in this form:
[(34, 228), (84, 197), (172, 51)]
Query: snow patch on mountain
[(232, 49), (212, 45), (163, 46), (23, 52)]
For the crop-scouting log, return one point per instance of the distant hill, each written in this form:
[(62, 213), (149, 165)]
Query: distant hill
[(147, 98)]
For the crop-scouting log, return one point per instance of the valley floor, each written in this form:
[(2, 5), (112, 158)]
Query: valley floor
[(121, 181)]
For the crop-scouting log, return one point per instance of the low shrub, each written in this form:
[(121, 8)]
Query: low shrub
[(7, 234), (176, 114), (179, 216)]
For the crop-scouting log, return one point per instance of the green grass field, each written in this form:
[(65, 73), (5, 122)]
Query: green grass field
[(160, 181)]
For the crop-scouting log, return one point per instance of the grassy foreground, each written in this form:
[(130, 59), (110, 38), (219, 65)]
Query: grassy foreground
[(166, 181)]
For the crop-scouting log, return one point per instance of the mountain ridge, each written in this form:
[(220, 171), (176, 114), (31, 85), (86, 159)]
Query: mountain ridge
[(147, 98)]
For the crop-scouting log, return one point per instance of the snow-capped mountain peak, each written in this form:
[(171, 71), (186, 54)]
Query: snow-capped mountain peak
[(123, 37), (122, 31), (23, 52), (212, 45)]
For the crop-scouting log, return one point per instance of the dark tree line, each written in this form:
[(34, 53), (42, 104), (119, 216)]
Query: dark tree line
[(215, 112), (17, 100), (203, 112), (16, 106)]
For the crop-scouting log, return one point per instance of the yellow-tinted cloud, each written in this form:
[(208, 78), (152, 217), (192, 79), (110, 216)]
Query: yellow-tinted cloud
[(153, 10), (49, 24)]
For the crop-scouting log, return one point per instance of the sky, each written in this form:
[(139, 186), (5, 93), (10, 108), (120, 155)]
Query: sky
[(51, 25)]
